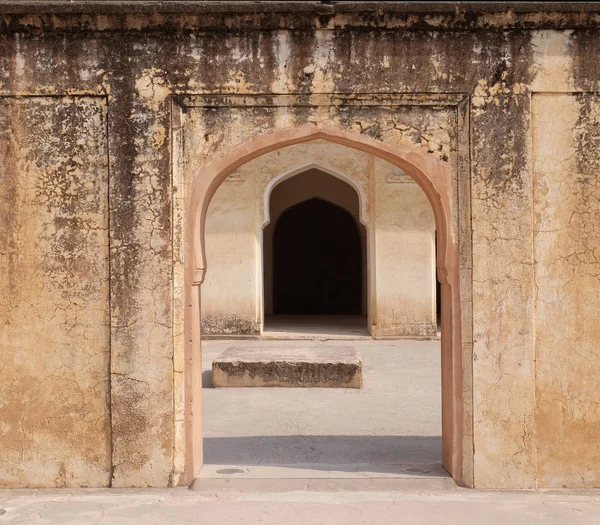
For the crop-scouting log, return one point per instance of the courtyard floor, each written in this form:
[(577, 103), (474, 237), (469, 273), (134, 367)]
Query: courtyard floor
[(394, 419), (231, 507)]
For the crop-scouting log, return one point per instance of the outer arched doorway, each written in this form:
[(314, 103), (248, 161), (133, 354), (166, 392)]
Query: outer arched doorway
[(317, 261), (436, 181)]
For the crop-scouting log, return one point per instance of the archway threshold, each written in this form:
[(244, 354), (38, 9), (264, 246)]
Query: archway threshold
[(315, 327), (323, 478)]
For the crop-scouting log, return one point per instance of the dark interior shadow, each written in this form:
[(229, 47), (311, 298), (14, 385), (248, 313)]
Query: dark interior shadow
[(207, 379), (321, 452)]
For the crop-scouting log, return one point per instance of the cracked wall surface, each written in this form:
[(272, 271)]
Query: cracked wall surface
[(125, 84), (54, 315), (567, 287)]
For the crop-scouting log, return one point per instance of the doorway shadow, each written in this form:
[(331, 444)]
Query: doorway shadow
[(338, 453), (207, 379)]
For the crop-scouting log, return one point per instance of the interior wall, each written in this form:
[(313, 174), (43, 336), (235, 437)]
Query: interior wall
[(399, 286), (404, 229), (229, 294)]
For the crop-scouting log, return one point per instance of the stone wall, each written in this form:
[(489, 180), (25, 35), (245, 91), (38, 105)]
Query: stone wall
[(54, 292), (103, 115)]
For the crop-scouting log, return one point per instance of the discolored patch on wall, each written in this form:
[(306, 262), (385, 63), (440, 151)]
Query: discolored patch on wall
[(54, 293), (232, 324)]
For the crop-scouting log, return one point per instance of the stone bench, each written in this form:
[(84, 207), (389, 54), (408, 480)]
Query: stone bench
[(320, 367)]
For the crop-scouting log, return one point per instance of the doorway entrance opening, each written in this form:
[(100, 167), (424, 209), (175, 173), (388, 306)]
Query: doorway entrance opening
[(433, 177), (315, 258), (314, 244), (317, 263)]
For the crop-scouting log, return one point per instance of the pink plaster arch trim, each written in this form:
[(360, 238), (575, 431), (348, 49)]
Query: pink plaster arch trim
[(430, 173), (321, 166)]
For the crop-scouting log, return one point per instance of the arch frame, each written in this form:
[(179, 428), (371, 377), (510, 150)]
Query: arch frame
[(435, 179), (321, 166)]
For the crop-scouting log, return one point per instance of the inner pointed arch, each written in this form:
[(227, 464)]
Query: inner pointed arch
[(321, 166)]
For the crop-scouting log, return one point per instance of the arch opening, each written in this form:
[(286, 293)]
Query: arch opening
[(315, 254), (317, 261), (432, 177)]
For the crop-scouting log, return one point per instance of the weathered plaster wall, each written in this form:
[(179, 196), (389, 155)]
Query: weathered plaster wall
[(528, 420), (54, 309), (404, 255), (566, 196), (231, 291), (399, 253)]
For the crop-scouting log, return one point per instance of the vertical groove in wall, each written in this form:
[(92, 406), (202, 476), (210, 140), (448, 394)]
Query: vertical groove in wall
[(178, 226), (471, 321), (371, 246), (259, 286), (108, 224), (533, 284), (173, 145), (464, 130)]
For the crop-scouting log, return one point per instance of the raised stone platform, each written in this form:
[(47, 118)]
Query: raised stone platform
[(320, 367)]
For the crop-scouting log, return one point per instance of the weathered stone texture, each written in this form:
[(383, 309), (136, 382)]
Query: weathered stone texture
[(54, 292), (567, 287), (533, 216), (503, 360), (141, 275), (319, 367)]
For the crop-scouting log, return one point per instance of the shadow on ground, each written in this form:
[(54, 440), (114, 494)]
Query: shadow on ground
[(325, 450)]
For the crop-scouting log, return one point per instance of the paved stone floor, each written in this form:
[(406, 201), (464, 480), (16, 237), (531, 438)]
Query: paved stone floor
[(182, 506), (395, 418), (309, 326)]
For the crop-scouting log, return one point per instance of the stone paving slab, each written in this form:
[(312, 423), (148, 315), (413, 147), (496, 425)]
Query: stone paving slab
[(319, 367), (181, 506)]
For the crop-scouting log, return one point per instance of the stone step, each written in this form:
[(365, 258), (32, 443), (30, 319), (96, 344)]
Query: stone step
[(321, 477), (317, 367)]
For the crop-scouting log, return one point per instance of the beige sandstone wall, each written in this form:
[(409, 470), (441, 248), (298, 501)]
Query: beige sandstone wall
[(54, 293), (93, 376), (404, 255), (399, 248), (232, 289), (566, 247)]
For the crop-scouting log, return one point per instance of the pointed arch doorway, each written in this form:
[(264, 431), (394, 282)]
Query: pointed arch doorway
[(435, 180), (315, 256), (317, 261)]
